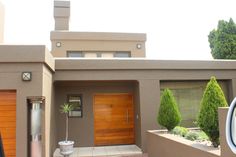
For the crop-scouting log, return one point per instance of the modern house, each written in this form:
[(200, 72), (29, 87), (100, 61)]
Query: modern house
[(116, 89)]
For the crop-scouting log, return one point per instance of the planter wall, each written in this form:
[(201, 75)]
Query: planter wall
[(225, 150), (159, 145)]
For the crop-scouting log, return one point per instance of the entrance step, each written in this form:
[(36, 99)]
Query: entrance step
[(106, 151)]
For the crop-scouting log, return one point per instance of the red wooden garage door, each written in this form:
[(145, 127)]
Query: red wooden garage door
[(113, 119), (8, 122)]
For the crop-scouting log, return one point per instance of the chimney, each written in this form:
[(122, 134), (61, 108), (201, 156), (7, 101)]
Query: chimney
[(61, 14)]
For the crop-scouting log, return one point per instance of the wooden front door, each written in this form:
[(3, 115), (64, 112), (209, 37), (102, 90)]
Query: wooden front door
[(113, 119), (8, 122)]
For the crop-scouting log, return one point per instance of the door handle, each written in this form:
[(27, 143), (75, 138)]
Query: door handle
[(127, 115)]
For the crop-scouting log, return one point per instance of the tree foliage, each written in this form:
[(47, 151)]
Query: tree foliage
[(223, 40), (213, 98), (169, 115)]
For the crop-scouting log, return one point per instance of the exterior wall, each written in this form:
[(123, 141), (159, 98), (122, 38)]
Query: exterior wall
[(10, 79), (149, 91), (225, 150), (13, 61), (138, 140), (1, 22), (148, 74), (232, 89), (47, 92), (97, 42), (81, 130), (53, 127)]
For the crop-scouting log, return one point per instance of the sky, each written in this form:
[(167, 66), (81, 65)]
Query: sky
[(176, 30)]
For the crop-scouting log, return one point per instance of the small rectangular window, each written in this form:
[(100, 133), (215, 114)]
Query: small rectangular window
[(76, 100), (90, 55), (107, 55), (99, 54), (188, 95), (122, 54), (75, 54)]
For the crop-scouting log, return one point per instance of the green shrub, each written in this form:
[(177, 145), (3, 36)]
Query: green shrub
[(202, 136), (181, 131), (196, 135), (168, 115), (213, 98), (192, 136)]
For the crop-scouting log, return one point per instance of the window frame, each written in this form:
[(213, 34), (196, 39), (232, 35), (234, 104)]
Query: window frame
[(122, 52), (80, 109), (74, 52)]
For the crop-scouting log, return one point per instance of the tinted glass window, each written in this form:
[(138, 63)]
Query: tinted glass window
[(74, 54), (122, 54), (188, 95)]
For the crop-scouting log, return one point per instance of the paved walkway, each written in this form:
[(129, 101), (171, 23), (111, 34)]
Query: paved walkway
[(108, 151)]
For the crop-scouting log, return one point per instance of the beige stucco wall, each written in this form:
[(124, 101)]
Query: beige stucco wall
[(47, 92), (13, 61), (160, 145), (148, 74), (138, 140), (81, 130), (1, 22), (10, 79), (225, 150), (97, 42), (232, 90)]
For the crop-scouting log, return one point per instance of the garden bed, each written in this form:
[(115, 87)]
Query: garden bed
[(192, 134), (204, 145)]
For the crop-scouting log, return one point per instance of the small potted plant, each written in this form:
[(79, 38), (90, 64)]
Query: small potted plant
[(66, 147)]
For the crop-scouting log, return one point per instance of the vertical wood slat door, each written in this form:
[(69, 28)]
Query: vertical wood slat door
[(8, 122), (113, 119)]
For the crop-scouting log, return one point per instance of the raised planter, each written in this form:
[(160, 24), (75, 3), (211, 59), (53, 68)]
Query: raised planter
[(161, 144)]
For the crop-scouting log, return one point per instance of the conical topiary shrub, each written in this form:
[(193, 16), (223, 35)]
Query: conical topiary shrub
[(169, 115), (213, 98)]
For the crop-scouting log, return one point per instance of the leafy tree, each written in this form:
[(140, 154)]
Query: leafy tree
[(169, 115), (213, 98), (223, 40)]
